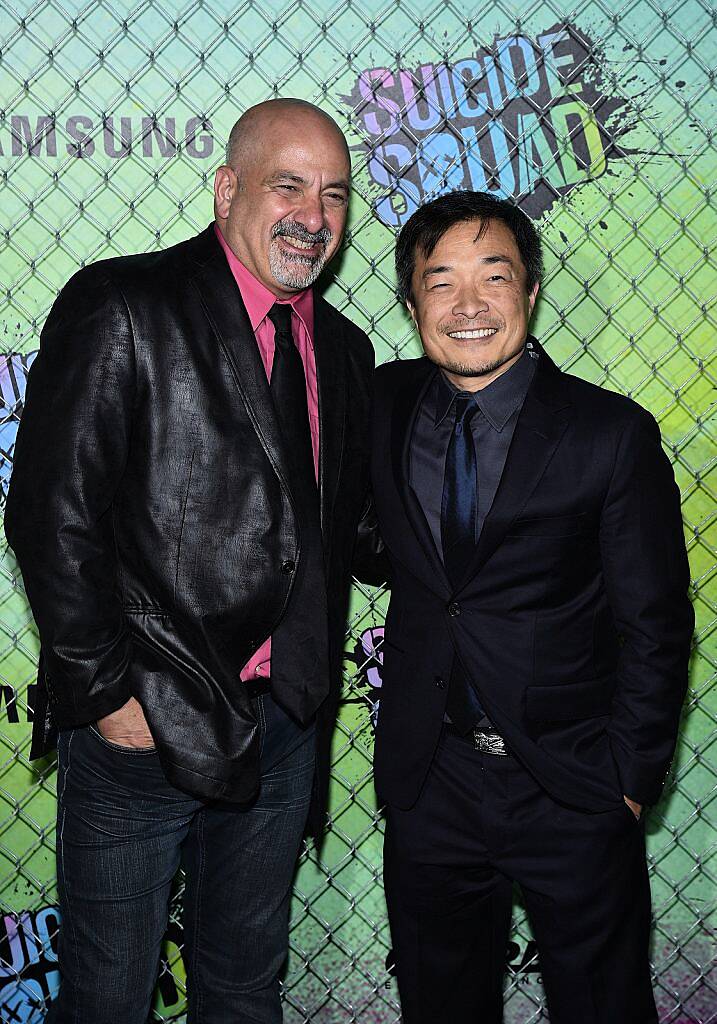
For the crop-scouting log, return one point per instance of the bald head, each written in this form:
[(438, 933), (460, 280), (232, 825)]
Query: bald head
[(254, 128), (281, 199)]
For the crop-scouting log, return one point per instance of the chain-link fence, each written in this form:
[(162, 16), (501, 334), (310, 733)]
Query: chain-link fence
[(599, 118)]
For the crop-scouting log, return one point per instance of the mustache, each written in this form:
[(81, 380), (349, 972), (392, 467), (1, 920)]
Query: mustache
[(470, 326), (292, 229)]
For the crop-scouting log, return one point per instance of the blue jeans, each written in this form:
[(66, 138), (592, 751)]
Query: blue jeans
[(123, 831)]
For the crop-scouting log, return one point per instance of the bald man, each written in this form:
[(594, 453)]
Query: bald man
[(188, 478)]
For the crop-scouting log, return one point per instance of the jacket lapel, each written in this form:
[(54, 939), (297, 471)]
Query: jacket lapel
[(541, 424), (222, 303), (330, 354), (405, 410)]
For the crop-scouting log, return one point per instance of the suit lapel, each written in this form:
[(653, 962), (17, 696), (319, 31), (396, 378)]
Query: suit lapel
[(329, 348), (541, 424), (405, 410), (222, 303)]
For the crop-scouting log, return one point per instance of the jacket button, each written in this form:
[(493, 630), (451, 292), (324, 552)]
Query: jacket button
[(288, 566), (454, 609), (440, 682)]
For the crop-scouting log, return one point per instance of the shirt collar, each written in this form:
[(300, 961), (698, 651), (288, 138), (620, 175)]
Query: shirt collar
[(258, 299), (498, 401)]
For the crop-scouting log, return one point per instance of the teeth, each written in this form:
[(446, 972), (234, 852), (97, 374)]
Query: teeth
[(485, 332), (298, 243)]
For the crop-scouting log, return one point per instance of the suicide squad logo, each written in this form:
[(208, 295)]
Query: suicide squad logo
[(29, 978), (14, 368), (366, 657), (524, 118), (29, 975)]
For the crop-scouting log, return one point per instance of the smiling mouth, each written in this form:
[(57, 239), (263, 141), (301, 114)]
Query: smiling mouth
[(474, 335), (301, 248), (298, 243)]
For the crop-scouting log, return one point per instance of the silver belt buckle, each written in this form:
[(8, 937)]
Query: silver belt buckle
[(489, 743)]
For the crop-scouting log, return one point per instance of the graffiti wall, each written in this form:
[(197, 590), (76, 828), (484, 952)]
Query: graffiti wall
[(598, 119)]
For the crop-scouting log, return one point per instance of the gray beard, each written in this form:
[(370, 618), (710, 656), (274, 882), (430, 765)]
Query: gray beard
[(286, 271)]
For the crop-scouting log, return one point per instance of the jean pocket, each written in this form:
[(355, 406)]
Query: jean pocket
[(118, 747)]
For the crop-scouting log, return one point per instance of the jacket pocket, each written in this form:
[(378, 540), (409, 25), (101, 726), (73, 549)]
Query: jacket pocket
[(549, 526), (182, 521), (566, 701)]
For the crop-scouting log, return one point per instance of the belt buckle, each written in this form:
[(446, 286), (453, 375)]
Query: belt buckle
[(489, 742)]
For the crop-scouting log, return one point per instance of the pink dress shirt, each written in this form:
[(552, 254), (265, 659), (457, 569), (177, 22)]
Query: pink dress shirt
[(258, 301)]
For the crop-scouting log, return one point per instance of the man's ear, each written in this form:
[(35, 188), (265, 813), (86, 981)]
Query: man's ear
[(225, 183), (412, 311), (533, 295)]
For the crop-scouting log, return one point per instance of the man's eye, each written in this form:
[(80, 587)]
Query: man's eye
[(289, 188), (496, 277), (335, 198), (439, 284)]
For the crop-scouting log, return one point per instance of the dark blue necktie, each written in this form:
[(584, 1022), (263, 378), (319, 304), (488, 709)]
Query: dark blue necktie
[(459, 505), (459, 510)]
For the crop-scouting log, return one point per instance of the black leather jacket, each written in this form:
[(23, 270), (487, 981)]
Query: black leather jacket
[(149, 508)]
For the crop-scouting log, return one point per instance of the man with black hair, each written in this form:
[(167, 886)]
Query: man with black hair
[(536, 642)]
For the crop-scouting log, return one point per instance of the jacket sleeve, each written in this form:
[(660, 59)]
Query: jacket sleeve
[(70, 456), (646, 578)]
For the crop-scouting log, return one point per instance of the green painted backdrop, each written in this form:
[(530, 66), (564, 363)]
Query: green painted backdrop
[(599, 118)]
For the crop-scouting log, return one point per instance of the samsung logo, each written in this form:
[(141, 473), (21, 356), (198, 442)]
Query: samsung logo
[(115, 136)]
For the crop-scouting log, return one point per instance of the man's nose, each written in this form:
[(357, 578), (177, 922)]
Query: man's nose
[(470, 303), (310, 212)]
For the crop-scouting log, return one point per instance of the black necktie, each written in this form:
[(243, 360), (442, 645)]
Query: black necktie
[(299, 643), (288, 389), (459, 510)]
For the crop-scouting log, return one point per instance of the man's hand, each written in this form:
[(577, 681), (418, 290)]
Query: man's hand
[(635, 808), (127, 726)]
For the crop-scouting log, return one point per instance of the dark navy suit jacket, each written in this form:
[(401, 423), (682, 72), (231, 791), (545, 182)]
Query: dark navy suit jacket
[(573, 616)]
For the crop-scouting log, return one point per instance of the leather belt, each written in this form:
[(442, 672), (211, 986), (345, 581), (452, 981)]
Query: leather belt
[(487, 741), (257, 687)]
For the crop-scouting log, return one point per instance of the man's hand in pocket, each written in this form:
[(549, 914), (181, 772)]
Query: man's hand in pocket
[(127, 726), (635, 808)]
